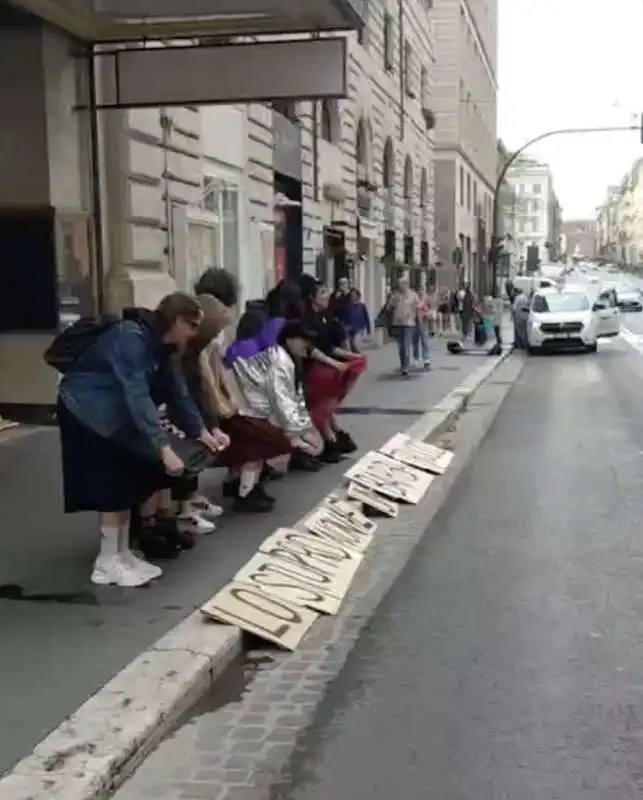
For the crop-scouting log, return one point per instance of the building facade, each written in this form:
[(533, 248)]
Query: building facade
[(507, 221), (538, 211), (580, 236), (148, 197), (620, 219), (465, 91)]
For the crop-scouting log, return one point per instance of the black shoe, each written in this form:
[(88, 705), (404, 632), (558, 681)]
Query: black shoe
[(253, 503), (231, 488), (259, 488), (169, 528), (331, 453), (154, 545), (345, 442), (302, 462), (269, 473)]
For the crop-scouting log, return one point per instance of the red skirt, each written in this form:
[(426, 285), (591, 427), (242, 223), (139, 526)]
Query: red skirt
[(252, 440), (326, 388)]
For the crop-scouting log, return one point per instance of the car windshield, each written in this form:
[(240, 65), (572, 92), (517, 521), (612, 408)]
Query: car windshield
[(561, 301)]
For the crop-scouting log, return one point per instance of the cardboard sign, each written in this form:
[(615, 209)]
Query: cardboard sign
[(390, 477), (334, 528), (273, 577), (370, 499), (270, 617), (335, 563), (417, 454), (352, 514)]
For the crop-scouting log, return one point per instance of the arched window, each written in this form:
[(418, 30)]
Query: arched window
[(388, 165), (329, 122), (408, 178)]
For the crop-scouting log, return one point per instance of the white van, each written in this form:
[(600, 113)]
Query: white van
[(531, 283)]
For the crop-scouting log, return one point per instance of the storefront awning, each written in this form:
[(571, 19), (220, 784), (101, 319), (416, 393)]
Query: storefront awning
[(128, 20)]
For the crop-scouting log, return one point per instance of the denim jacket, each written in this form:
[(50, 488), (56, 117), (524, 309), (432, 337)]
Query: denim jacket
[(118, 383)]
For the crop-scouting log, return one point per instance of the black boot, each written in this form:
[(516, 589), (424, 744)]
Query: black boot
[(345, 442), (332, 453), (254, 503), (269, 473), (302, 462), (170, 529), (152, 542)]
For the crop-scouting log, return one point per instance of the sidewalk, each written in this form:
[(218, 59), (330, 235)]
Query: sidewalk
[(67, 638)]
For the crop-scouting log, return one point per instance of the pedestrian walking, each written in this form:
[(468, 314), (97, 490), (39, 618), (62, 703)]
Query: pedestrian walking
[(421, 353), (357, 321), (403, 307)]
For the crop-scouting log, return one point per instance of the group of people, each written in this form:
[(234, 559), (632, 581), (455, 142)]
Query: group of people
[(149, 399), (412, 317)]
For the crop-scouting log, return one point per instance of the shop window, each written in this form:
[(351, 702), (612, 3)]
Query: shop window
[(213, 233)]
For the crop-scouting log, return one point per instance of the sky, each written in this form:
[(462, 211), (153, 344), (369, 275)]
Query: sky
[(573, 63)]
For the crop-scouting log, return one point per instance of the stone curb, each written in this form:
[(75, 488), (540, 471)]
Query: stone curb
[(99, 746)]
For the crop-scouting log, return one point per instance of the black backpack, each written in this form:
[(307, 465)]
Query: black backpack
[(70, 344)]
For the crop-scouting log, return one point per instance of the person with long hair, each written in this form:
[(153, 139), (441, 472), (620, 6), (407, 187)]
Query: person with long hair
[(115, 450), (270, 417), (331, 371)]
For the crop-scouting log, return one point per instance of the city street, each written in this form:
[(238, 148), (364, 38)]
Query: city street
[(84, 635), (507, 664)]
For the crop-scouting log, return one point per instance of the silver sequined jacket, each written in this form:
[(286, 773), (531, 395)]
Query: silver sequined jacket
[(266, 383)]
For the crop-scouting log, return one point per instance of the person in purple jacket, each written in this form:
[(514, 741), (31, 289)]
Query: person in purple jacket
[(357, 320)]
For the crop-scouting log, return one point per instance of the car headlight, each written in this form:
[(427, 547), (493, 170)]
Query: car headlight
[(535, 324)]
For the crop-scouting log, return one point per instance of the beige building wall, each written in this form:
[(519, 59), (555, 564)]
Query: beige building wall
[(465, 92)]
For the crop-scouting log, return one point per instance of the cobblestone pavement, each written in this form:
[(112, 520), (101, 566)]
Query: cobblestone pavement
[(238, 744), (85, 636)]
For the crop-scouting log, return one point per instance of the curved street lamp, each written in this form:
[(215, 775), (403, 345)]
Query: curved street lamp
[(495, 230)]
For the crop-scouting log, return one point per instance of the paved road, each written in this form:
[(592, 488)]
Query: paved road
[(507, 664), (73, 638)]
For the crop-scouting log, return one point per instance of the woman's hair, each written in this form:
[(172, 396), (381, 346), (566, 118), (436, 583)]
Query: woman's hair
[(251, 324), (295, 329), (178, 305), (219, 283), (284, 300)]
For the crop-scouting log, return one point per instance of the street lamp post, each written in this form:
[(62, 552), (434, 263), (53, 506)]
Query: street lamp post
[(495, 230)]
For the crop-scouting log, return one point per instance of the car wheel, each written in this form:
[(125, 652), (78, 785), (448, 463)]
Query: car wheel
[(533, 351), (591, 348)]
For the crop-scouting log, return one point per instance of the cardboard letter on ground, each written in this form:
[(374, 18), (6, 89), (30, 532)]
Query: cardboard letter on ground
[(371, 499), (390, 477), (417, 454), (338, 562), (267, 616), (350, 511), (271, 577), (328, 524)]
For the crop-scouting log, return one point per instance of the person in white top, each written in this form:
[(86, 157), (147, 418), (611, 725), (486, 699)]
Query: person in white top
[(403, 306)]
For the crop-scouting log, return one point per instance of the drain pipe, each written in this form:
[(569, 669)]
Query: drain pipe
[(97, 199)]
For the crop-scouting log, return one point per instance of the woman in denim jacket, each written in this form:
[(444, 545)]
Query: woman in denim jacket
[(115, 451)]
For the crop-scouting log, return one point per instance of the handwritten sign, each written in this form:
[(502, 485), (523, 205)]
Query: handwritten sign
[(351, 513), (370, 499), (390, 477), (335, 562), (270, 617), (273, 577), (417, 454)]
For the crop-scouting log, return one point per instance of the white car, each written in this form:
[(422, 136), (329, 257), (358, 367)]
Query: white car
[(571, 317)]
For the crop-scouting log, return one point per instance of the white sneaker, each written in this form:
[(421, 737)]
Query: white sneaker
[(115, 571), (135, 561), (203, 507), (196, 525)]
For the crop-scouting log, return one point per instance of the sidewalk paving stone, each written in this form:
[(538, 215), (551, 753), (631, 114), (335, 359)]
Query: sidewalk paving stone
[(66, 639)]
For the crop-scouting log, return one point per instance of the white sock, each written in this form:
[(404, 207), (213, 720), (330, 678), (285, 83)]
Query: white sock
[(109, 542), (248, 481), (123, 538)]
